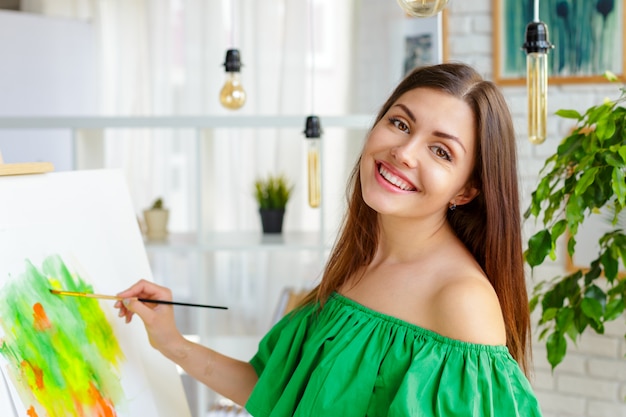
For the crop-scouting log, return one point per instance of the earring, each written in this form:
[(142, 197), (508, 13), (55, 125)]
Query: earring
[(452, 207)]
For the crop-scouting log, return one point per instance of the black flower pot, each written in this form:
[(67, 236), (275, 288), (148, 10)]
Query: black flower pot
[(272, 220)]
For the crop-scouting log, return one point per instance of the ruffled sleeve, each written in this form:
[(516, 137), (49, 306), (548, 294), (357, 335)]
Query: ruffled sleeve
[(348, 360)]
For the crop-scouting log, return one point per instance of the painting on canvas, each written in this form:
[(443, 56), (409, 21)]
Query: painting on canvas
[(70, 356)]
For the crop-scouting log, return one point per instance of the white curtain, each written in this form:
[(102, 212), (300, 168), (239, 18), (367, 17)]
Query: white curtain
[(164, 57)]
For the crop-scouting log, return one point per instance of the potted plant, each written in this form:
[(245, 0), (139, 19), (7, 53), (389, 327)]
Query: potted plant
[(585, 176), (272, 194), (156, 218)]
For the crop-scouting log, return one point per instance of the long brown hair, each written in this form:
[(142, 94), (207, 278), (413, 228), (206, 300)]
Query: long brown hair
[(489, 226)]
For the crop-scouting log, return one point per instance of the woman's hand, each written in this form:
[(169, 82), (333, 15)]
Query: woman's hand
[(158, 319), (229, 377)]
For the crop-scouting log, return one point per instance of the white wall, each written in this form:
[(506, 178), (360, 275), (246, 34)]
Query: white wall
[(48, 69), (591, 382)]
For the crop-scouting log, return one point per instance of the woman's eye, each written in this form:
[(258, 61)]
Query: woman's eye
[(441, 153), (399, 124)]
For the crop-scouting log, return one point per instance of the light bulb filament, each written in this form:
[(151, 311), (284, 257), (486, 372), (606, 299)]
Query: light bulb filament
[(313, 160), (232, 95)]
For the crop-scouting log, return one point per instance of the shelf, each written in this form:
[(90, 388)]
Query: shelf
[(240, 241), (353, 121)]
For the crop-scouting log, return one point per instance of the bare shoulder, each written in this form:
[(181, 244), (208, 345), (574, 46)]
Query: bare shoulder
[(466, 308)]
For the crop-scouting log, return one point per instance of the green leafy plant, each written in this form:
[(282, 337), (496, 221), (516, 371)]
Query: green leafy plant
[(157, 204), (272, 192), (584, 177)]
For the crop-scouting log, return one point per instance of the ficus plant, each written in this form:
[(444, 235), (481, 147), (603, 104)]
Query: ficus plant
[(585, 176)]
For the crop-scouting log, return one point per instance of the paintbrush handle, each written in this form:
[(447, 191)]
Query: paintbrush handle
[(100, 296), (177, 303), (143, 300)]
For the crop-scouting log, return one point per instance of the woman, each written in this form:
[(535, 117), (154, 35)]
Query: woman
[(422, 309)]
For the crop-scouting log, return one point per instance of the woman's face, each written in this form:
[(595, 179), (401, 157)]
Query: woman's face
[(418, 158)]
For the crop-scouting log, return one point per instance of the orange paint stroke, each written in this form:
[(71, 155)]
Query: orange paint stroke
[(78, 406), (41, 318), (102, 406), (31, 412), (37, 373)]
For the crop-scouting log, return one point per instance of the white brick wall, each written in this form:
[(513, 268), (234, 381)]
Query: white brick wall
[(591, 382)]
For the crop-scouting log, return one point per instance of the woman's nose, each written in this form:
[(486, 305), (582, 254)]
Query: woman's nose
[(406, 153)]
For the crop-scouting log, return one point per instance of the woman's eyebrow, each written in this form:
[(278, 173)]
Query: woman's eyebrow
[(408, 112), (437, 133), (445, 135)]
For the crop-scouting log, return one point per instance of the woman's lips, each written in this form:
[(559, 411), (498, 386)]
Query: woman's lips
[(394, 179)]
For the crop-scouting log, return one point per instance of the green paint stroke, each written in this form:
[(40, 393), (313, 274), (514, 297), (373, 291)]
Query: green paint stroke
[(63, 356)]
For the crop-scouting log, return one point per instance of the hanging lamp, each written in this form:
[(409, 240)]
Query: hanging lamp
[(232, 94), (313, 134), (422, 8), (537, 46)]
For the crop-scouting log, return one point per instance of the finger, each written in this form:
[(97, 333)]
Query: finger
[(146, 289), (129, 316), (142, 310), (136, 289)]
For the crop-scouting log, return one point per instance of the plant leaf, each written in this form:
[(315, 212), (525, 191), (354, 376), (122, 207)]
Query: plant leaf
[(556, 346), (574, 212), (610, 265), (548, 314), (605, 128), (619, 185), (585, 181), (596, 293), (564, 319), (592, 309), (609, 75), (622, 152), (539, 246), (614, 309), (532, 304), (569, 114)]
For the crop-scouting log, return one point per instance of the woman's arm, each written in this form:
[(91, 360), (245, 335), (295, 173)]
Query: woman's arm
[(229, 377)]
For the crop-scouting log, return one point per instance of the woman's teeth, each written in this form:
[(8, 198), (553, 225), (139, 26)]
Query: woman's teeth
[(397, 181)]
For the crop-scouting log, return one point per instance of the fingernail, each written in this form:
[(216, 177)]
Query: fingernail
[(126, 301)]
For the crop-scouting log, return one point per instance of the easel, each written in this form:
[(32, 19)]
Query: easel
[(25, 168)]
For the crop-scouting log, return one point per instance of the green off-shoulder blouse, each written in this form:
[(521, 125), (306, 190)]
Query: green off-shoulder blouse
[(347, 360)]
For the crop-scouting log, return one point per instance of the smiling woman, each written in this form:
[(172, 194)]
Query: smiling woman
[(421, 310)]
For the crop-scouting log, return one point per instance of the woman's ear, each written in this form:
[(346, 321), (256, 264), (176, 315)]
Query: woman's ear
[(466, 195)]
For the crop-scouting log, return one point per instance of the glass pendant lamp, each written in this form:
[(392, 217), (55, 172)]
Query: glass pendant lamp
[(422, 8), (537, 46)]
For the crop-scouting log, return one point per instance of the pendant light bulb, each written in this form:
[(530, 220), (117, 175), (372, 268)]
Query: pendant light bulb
[(313, 133), (232, 95), (537, 47), (422, 8)]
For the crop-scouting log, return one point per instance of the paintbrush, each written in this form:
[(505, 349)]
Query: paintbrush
[(143, 300)]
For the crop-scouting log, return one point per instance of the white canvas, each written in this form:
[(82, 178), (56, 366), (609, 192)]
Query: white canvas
[(86, 219)]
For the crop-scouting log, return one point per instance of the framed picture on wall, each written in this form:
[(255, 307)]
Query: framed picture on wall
[(588, 38), (418, 41)]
